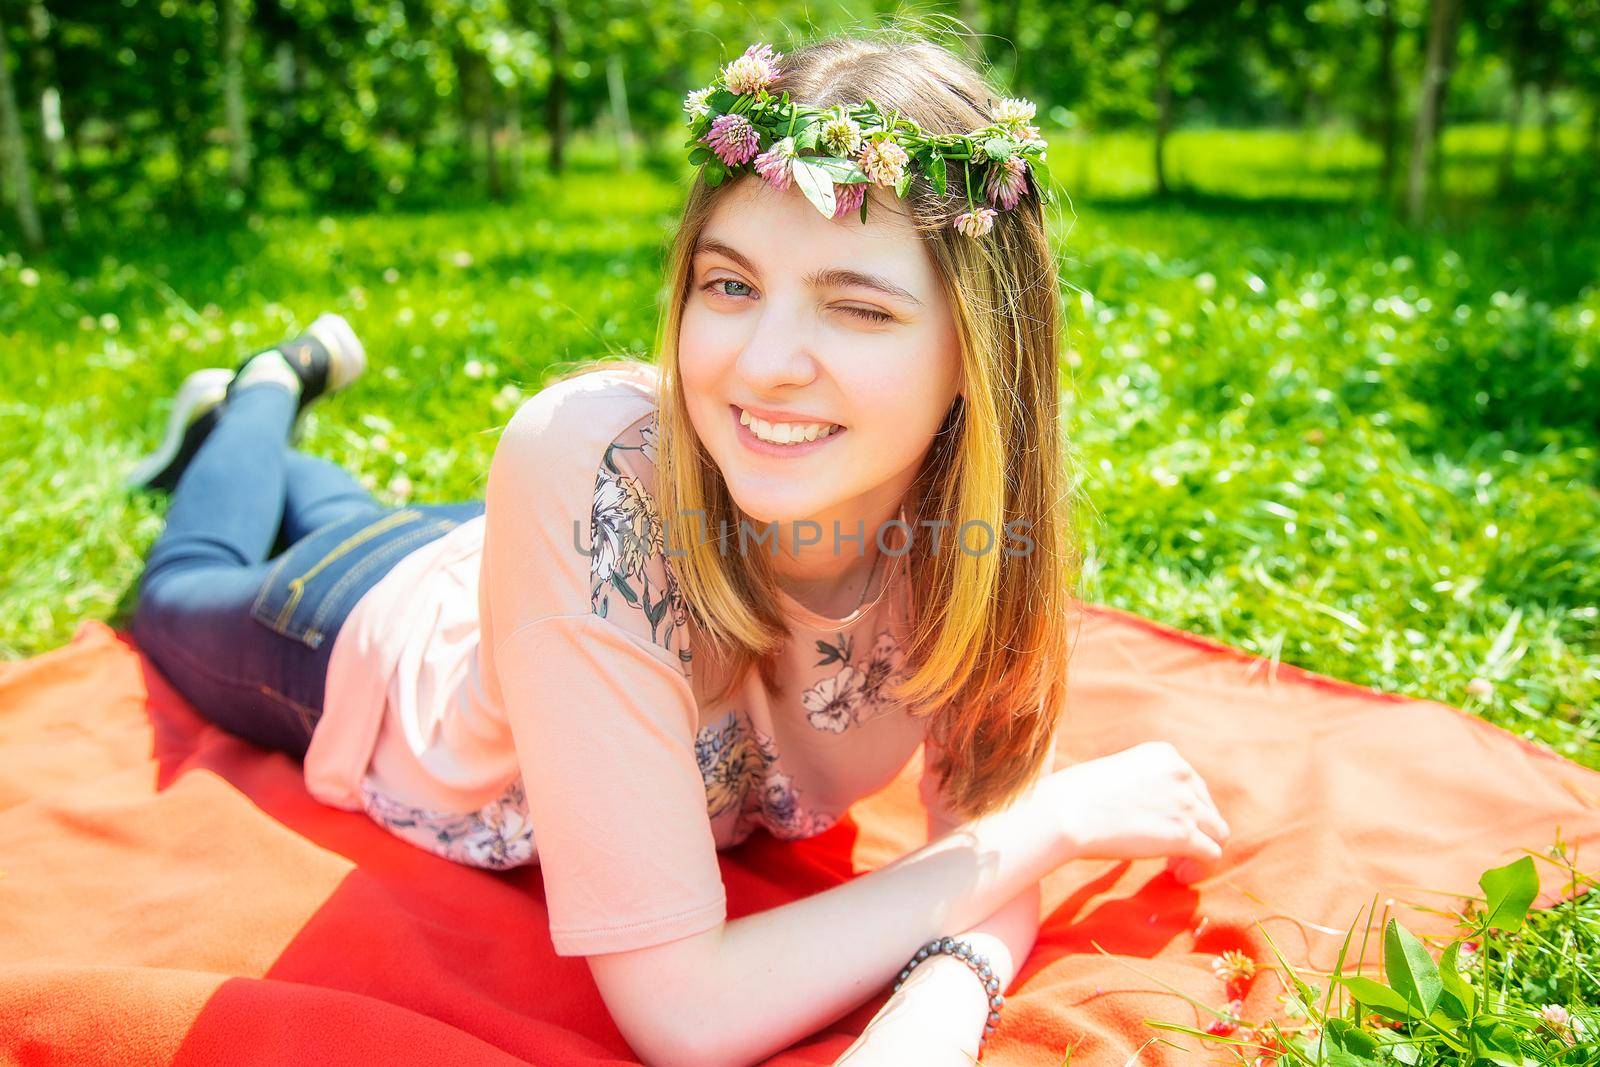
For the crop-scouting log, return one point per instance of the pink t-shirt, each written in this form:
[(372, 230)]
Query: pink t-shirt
[(501, 697)]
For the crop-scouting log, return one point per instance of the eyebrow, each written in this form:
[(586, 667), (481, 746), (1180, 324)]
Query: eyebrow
[(837, 276)]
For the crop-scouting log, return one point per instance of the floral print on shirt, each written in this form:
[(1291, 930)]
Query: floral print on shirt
[(627, 546), (858, 693), (736, 761), (498, 835)]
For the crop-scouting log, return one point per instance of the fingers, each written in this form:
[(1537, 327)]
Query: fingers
[(1208, 819)]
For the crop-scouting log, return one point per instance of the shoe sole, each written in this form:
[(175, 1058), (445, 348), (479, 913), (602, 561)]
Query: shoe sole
[(347, 355), (204, 389)]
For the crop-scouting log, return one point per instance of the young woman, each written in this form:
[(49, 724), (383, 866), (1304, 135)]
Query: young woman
[(735, 587)]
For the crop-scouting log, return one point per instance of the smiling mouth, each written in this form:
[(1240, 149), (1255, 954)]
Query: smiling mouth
[(786, 434)]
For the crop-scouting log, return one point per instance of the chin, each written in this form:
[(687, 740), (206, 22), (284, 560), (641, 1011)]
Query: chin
[(780, 507)]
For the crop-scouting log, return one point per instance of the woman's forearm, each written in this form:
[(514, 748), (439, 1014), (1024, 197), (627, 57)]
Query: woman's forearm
[(943, 1003), (782, 974)]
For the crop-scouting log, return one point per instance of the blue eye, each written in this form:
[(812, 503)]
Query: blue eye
[(712, 286)]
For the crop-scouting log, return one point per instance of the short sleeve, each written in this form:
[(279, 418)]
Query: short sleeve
[(584, 651), (604, 731)]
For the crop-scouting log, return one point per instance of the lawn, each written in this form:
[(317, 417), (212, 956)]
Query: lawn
[(1301, 428)]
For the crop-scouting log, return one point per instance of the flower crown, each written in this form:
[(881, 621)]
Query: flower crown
[(735, 121)]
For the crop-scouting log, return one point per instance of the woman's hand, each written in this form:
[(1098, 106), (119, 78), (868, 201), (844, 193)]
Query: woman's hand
[(889, 1043), (1143, 801), (934, 1019)]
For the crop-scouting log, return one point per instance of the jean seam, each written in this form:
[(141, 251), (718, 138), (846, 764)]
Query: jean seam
[(266, 586), (361, 569), (269, 619), (366, 533)]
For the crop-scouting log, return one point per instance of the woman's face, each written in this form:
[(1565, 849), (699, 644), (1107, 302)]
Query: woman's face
[(800, 320)]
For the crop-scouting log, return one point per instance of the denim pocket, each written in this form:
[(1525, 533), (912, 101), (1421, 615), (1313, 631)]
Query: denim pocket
[(314, 585)]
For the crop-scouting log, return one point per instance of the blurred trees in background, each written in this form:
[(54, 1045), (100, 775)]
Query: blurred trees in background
[(140, 110)]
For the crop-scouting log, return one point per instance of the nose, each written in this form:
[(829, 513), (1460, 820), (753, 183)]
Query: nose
[(775, 354)]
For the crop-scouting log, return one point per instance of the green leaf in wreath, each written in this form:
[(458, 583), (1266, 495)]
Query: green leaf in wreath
[(902, 183), (817, 184), (936, 172), (998, 148), (1510, 890), (701, 154), (843, 171), (806, 135)]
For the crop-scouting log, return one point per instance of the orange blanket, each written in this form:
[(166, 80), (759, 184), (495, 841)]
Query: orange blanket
[(170, 894)]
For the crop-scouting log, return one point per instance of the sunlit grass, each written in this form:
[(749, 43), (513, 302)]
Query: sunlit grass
[(1305, 430)]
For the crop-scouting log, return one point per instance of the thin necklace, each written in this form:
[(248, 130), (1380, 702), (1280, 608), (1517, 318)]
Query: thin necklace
[(873, 573)]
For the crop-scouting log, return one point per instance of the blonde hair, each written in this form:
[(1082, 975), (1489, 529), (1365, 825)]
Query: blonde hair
[(990, 633)]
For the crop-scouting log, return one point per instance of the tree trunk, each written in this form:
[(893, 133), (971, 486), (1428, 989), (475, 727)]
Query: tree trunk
[(1551, 150), (617, 83), (1012, 32), (555, 115), (1508, 155), (514, 140), (490, 120), (288, 68), (54, 140), (15, 152), (1443, 25), (1389, 99), (1163, 96), (233, 103)]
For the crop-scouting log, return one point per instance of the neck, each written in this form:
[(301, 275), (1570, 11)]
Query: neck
[(834, 580)]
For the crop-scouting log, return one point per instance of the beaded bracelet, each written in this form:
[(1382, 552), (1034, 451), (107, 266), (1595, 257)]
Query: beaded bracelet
[(979, 963)]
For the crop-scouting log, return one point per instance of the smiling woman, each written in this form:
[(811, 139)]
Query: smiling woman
[(593, 669)]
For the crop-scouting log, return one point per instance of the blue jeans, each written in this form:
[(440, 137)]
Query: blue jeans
[(246, 637)]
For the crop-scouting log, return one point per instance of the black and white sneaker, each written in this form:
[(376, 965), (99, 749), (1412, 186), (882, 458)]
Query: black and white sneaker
[(194, 413), (326, 358)]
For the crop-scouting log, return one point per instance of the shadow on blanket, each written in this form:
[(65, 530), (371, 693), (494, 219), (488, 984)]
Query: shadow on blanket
[(171, 894)]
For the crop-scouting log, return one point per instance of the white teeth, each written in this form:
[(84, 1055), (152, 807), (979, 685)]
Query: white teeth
[(785, 433)]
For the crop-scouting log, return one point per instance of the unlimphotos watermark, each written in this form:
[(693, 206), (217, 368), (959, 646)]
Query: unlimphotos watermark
[(806, 532)]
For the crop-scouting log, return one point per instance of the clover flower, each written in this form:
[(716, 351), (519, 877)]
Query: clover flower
[(776, 165), (848, 197), (977, 222), (840, 135), (1010, 112), (1008, 180), (1228, 1023), (883, 161), (1557, 1020), (733, 139), (754, 70), (695, 103)]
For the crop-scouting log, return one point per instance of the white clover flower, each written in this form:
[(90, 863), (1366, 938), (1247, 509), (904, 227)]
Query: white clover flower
[(1011, 112), (695, 103), (840, 135)]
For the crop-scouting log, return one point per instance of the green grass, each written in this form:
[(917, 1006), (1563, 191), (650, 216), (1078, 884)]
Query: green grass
[(1306, 430)]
